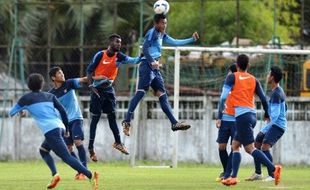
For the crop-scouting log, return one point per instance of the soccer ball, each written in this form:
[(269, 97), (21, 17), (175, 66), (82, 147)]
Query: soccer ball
[(161, 7)]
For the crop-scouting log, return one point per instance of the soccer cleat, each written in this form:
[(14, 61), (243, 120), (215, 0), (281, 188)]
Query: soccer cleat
[(180, 126), (230, 181), (254, 177), (126, 128), (80, 177), (95, 181), (277, 174), (220, 177), (268, 179), (121, 148), (54, 181), (92, 155)]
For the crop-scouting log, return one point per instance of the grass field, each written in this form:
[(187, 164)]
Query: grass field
[(34, 175)]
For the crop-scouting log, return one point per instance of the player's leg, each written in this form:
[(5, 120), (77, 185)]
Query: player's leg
[(145, 78), (78, 137), (109, 107), (235, 161), (257, 175), (69, 141), (248, 143), (48, 159), (222, 139), (55, 141), (95, 110), (271, 138), (160, 91)]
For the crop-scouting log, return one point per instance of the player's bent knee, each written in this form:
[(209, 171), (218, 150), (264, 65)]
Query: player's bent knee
[(43, 151)]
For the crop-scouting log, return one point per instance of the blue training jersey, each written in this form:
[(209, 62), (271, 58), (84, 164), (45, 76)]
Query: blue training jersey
[(66, 96), (153, 41), (276, 110), (44, 108)]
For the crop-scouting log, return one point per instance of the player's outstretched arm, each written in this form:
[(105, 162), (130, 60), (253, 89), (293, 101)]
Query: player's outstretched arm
[(180, 42), (125, 59)]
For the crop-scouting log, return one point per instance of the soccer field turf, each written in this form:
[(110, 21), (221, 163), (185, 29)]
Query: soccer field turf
[(35, 175)]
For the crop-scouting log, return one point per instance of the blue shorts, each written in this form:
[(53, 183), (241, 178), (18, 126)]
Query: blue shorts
[(105, 104), (76, 131), (150, 77), (271, 137), (244, 128), (226, 130)]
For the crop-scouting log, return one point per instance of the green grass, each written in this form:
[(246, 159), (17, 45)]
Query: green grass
[(34, 175)]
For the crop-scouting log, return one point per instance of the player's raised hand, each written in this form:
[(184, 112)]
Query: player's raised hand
[(195, 36)]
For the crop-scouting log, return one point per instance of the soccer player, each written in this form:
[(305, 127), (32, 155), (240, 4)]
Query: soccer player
[(243, 86), (101, 73), (149, 74), (273, 131), (227, 129), (64, 90), (45, 109)]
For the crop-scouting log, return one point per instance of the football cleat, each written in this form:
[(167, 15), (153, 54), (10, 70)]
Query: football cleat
[(180, 126), (92, 155), (54, 181), (126, 128), (121, 148), (254, 177), (277, 174)]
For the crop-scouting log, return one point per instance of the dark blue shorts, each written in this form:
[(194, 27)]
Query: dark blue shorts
[(244, 128), (226, 130), (54, 141), (76, 131), (271, 137), (149, 77), (105, 104)]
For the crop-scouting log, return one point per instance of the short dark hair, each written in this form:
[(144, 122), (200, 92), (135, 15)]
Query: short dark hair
[(53, 71), (113, 36), (243, 61), (35, 82), (232, 68), (158, 17), (277, 74)]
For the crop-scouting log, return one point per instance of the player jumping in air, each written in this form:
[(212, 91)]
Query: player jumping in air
[(101, 73), (149, 74)]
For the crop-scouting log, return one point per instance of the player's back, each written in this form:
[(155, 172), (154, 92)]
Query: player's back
[(41, 107), (243, 90)]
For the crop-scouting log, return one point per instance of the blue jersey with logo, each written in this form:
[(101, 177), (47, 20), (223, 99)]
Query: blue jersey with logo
[(67, 97), (277, 110), (44, 108)]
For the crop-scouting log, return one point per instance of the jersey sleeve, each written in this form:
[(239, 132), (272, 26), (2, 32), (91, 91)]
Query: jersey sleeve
[(228, 84), (95, 61), (74, 83), (124, 59), (260, 93), (177, 42), (17, 107)]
